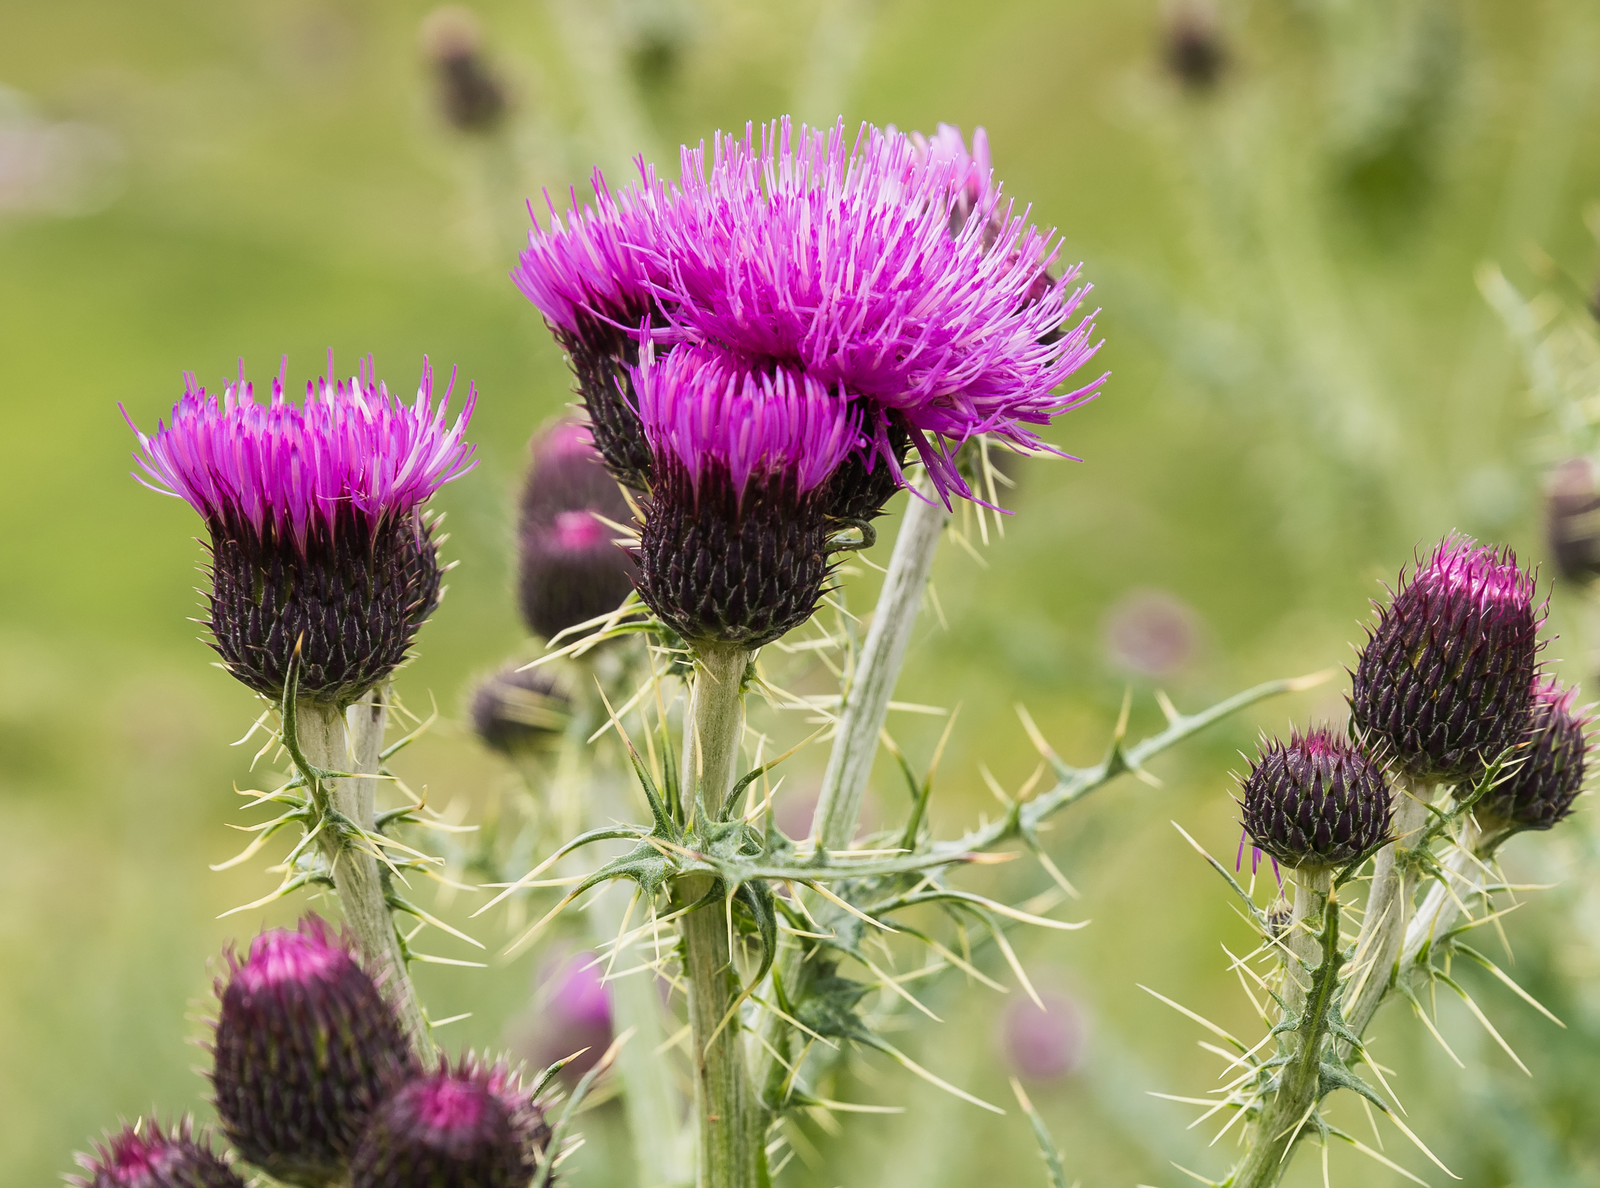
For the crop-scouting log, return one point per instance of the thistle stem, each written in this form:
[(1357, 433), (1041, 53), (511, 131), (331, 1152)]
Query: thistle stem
[(1309, 980), (866, 702), (352, 741), (1442, 904), (730, 1129)]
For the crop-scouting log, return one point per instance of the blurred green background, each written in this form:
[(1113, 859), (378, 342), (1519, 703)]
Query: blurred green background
[(1282, 206)]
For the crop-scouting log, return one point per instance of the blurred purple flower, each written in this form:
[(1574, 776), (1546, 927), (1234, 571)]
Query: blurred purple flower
[(1042, 1045), (1150, 632), (571, 1009)]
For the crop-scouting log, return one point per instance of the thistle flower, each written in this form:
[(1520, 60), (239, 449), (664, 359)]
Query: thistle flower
[(571, 1011), (1443, 682), (1042, 1044), (306, 1046), (461, 1127), (317, 542), (735, 541), (833, 260), (1572, 520), (1539, 791), (520, 709), (145, 1155), (1315, 801), (571, 568)]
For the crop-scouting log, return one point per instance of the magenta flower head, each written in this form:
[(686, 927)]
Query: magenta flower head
[(1443, 684), (571, 568), (736, 536), (1548, 773), (1042, 1045), (831, 257), (570, 1013), (317, 540), (466, 1126), (520, 710), (1316, 800), (305, 1047), (145, 1155)]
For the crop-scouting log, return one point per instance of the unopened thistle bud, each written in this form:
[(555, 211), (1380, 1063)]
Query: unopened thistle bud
[(457, 1127), (1316, 800), (306, 1046), (318, 543), (736, 535), (1193, 49), (571, 568), (1443, 684), (471, 98), (1546, 774), (518, 710), (1572, 520), (145, 1155)]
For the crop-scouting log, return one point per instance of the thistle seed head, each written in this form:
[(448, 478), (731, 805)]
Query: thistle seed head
[(145, 1155), (306, 1045), (467, 1126), (1316, 800), (1547, 776), (1443, 684)]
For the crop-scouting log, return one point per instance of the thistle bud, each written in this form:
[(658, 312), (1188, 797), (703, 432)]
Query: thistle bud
[(1443, 682), (570, 1012), (145, 1155), (471, 98), (318, 545), (1547, 775), (519, 710), (306, 1045), (1315, 801), (1193, 50), (461, 1127), (1042, 1044), (1572, 520), (736, 535)]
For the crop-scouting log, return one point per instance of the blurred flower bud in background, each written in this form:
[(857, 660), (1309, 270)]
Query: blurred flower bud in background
[(1572, 519), (1042, 1045), (1151, 633), (1193, 49), (471, 97), (571, 1010)]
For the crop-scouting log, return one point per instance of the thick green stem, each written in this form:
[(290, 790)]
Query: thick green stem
[(351, 741), (730, 1120), (1442, 905), (1309, 982)]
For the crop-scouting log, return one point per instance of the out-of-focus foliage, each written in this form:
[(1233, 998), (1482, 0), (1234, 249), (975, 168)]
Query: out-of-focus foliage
[(1283, 207)]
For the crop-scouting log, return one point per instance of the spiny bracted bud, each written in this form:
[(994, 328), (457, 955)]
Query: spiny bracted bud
[(318, 544), (471, 98), (306, 1046), (466, 1126), (736, 536), (1316, 800), (1572, 520), (1443, 684), (571, 568), (1546, 774), (519, 710), (146, 1155)]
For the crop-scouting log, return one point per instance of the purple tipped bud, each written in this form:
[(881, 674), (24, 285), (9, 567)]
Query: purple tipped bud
[(1042, 1045), (519, 710), (146, 1156), (461, 1127), (735, 541), (1315, 801), (471, 98), (306, 1045), (317, 540), (1443, 682), (1572, 520), (1540, 789)]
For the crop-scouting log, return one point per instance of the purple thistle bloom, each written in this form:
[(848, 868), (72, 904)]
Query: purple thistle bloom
[(1316, 800), (571, 1011), (316, 537), (841, 260), (145, 1155), (465, 1125), (736, 536), (1042, 1045)]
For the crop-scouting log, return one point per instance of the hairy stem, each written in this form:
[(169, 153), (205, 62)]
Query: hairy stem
[(351, 741), (1309, 980), (1463, 877), (866, 702), (730, 1121)]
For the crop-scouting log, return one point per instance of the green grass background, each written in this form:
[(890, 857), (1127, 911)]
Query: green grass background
[(1305, 386)]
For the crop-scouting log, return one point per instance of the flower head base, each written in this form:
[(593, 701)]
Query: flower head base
[(145, 1155), (735, 542), (1443, 682), (571, 567), (465, 1126), (1315, 801), (306, 1046), (1548, 774), (316, 537), (831, 257), (520, 710)]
